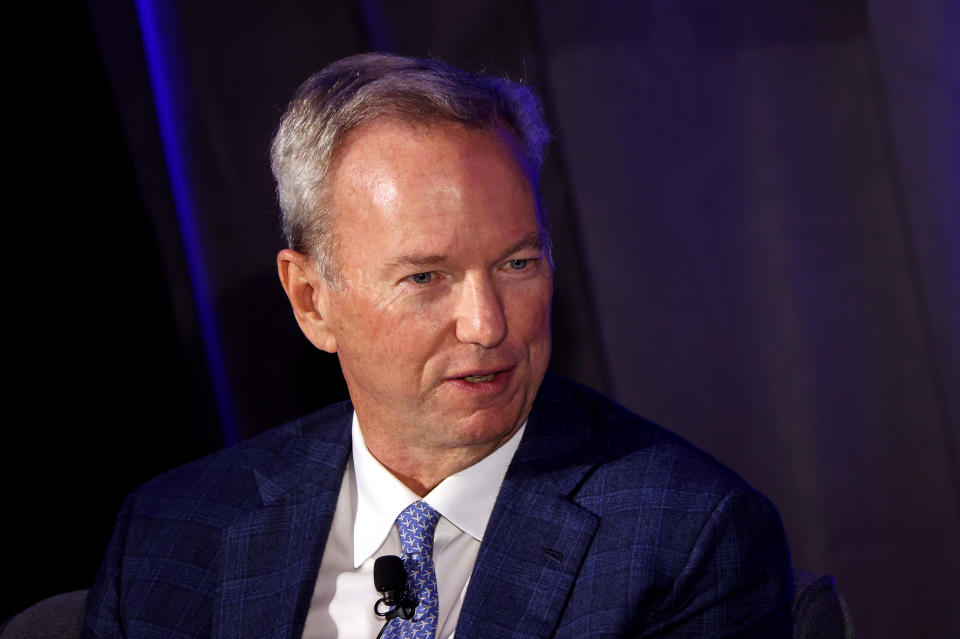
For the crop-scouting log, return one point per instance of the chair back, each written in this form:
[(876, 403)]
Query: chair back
[(817, 608), (57, 617)]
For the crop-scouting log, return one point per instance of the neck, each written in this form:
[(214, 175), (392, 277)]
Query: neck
[(420, 469)]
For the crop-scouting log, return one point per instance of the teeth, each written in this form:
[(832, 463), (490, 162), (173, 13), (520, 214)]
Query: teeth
[(473, 379)]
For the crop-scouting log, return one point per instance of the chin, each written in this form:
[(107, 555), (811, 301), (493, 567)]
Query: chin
[(488, 426)]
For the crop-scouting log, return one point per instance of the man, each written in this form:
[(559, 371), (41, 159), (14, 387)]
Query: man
[(523, 508)]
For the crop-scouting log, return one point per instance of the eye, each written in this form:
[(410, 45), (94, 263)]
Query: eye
[(421, 278), (518, 265)]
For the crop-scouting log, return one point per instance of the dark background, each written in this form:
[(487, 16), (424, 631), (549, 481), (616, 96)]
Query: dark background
[(757, 225)]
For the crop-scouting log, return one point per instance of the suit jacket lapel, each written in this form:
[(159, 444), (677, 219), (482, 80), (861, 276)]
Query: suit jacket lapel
[(272, 555), (536, 539)]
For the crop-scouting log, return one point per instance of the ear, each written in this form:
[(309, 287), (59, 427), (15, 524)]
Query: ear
[(307, 292)]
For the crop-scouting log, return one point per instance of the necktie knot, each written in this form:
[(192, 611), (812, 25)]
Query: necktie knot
[(417, 524)]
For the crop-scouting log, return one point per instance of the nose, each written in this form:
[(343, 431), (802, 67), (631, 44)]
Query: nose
[(480, 317)]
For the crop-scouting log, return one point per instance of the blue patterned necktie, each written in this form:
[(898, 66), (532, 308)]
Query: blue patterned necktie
[(417, 524)]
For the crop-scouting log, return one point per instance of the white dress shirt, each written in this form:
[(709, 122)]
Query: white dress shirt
[(363, 529)]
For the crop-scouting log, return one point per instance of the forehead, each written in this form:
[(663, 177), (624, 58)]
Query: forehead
[(411, 179), (389, 140)]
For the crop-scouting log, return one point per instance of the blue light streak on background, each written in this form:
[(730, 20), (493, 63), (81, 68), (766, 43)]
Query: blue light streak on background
[(161, 40)]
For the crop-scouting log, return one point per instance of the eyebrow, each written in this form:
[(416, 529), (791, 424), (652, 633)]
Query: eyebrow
[(530, 241)]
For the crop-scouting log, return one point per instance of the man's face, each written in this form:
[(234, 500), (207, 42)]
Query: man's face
[(442, 325)]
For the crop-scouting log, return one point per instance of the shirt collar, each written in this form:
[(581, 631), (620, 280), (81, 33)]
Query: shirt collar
[(465, 498)]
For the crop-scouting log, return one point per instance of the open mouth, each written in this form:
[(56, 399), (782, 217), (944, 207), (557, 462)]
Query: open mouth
[(476, 379)]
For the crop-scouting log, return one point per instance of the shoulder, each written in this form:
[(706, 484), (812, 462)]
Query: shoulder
[(692, 539), (170, 543), (644, 481), (625, 445), (235, 479)]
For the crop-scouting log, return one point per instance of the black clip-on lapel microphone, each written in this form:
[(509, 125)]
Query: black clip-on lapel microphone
[(390, 580)]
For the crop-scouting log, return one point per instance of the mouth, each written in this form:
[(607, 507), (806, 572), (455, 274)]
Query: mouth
[(489, 383), (482, 376), (476, 379)]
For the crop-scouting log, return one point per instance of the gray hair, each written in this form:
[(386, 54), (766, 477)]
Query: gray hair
[(361, 88)]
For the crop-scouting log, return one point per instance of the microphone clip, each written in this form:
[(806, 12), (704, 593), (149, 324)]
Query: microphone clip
[(403, 607)]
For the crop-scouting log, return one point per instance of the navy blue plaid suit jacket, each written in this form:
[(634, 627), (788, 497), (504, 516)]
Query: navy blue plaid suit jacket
[(605, 526)]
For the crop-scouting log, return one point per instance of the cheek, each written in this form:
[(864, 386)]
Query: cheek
[(530, 313), (361, 332), (396, 336)]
